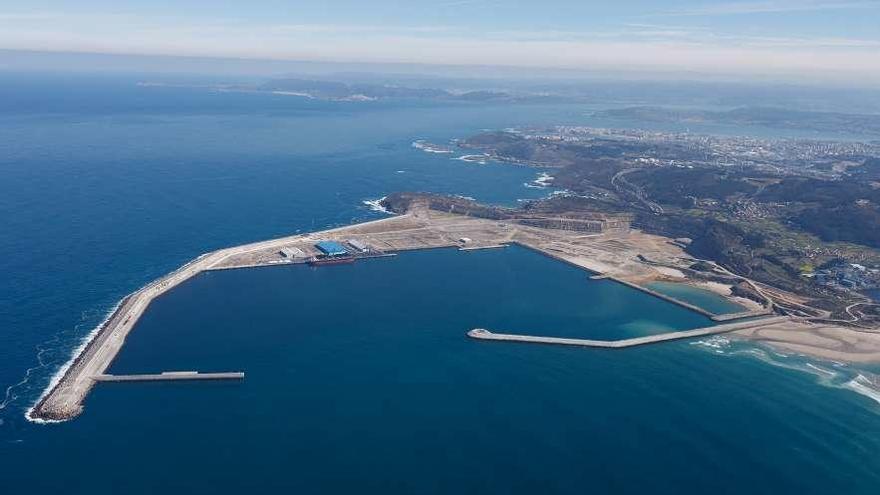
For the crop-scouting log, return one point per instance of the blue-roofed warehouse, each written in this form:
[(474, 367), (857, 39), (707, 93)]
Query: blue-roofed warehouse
[(331, 248)]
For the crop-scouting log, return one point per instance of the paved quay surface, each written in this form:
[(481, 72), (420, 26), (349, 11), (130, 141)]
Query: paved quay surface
[(614, 254), (171, 376), (483, 334)]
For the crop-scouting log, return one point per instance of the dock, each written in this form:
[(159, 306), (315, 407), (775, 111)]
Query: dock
[(169, 376), (483, 334)]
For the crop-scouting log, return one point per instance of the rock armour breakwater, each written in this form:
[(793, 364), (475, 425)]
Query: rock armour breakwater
[(483, 334), (63, 398)]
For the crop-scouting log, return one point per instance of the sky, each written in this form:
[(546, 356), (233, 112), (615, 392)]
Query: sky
[(817, 39)]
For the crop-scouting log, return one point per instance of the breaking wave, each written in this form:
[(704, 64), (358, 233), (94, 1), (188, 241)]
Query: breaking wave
[(827, 373), (430, 147), (541, 182), (861, 384), (376, 205), (481, 159), (59, 374)]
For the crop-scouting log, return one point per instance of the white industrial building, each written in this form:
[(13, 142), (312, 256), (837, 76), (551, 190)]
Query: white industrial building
[(358, 245), (292, 252)]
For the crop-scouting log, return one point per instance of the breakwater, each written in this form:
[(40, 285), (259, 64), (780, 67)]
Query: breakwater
[(483, 334), (63, 399)]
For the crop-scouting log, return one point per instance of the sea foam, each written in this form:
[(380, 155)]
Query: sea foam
[(481, 159), (376, 205), (56, 378), (862, 385), (830, 374), (430, 148), (541, 182)]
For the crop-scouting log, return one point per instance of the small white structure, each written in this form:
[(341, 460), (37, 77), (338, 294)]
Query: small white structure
[(464, 240), (358, 245), (292, 252)]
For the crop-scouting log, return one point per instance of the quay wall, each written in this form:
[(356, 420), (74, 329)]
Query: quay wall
[(607, 276)]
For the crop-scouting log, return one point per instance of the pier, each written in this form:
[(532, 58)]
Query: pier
[(483, 334), (170, 376)]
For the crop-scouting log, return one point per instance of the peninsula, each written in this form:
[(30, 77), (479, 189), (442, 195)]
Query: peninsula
[(604, 244)]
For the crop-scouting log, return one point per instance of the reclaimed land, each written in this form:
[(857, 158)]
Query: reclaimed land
[(616, 254)]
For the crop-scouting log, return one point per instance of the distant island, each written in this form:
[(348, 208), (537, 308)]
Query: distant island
[(354, 91), (333, 90)]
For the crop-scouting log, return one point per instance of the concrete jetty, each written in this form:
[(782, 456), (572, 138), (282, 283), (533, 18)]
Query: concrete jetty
[(612, 277), (170, 376), (660, 295), (687, 305), (741, 315), (483, 334)]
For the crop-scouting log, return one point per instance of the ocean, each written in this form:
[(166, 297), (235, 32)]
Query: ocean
[(359, 377)]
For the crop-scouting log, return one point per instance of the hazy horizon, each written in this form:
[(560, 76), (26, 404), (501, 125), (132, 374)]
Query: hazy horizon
[(814, 42)]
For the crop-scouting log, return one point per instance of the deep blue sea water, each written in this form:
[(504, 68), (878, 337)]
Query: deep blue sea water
[(360, 377)]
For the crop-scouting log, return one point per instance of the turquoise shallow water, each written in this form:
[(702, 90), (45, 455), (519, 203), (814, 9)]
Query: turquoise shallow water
[(360, 378), (702, 298)]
